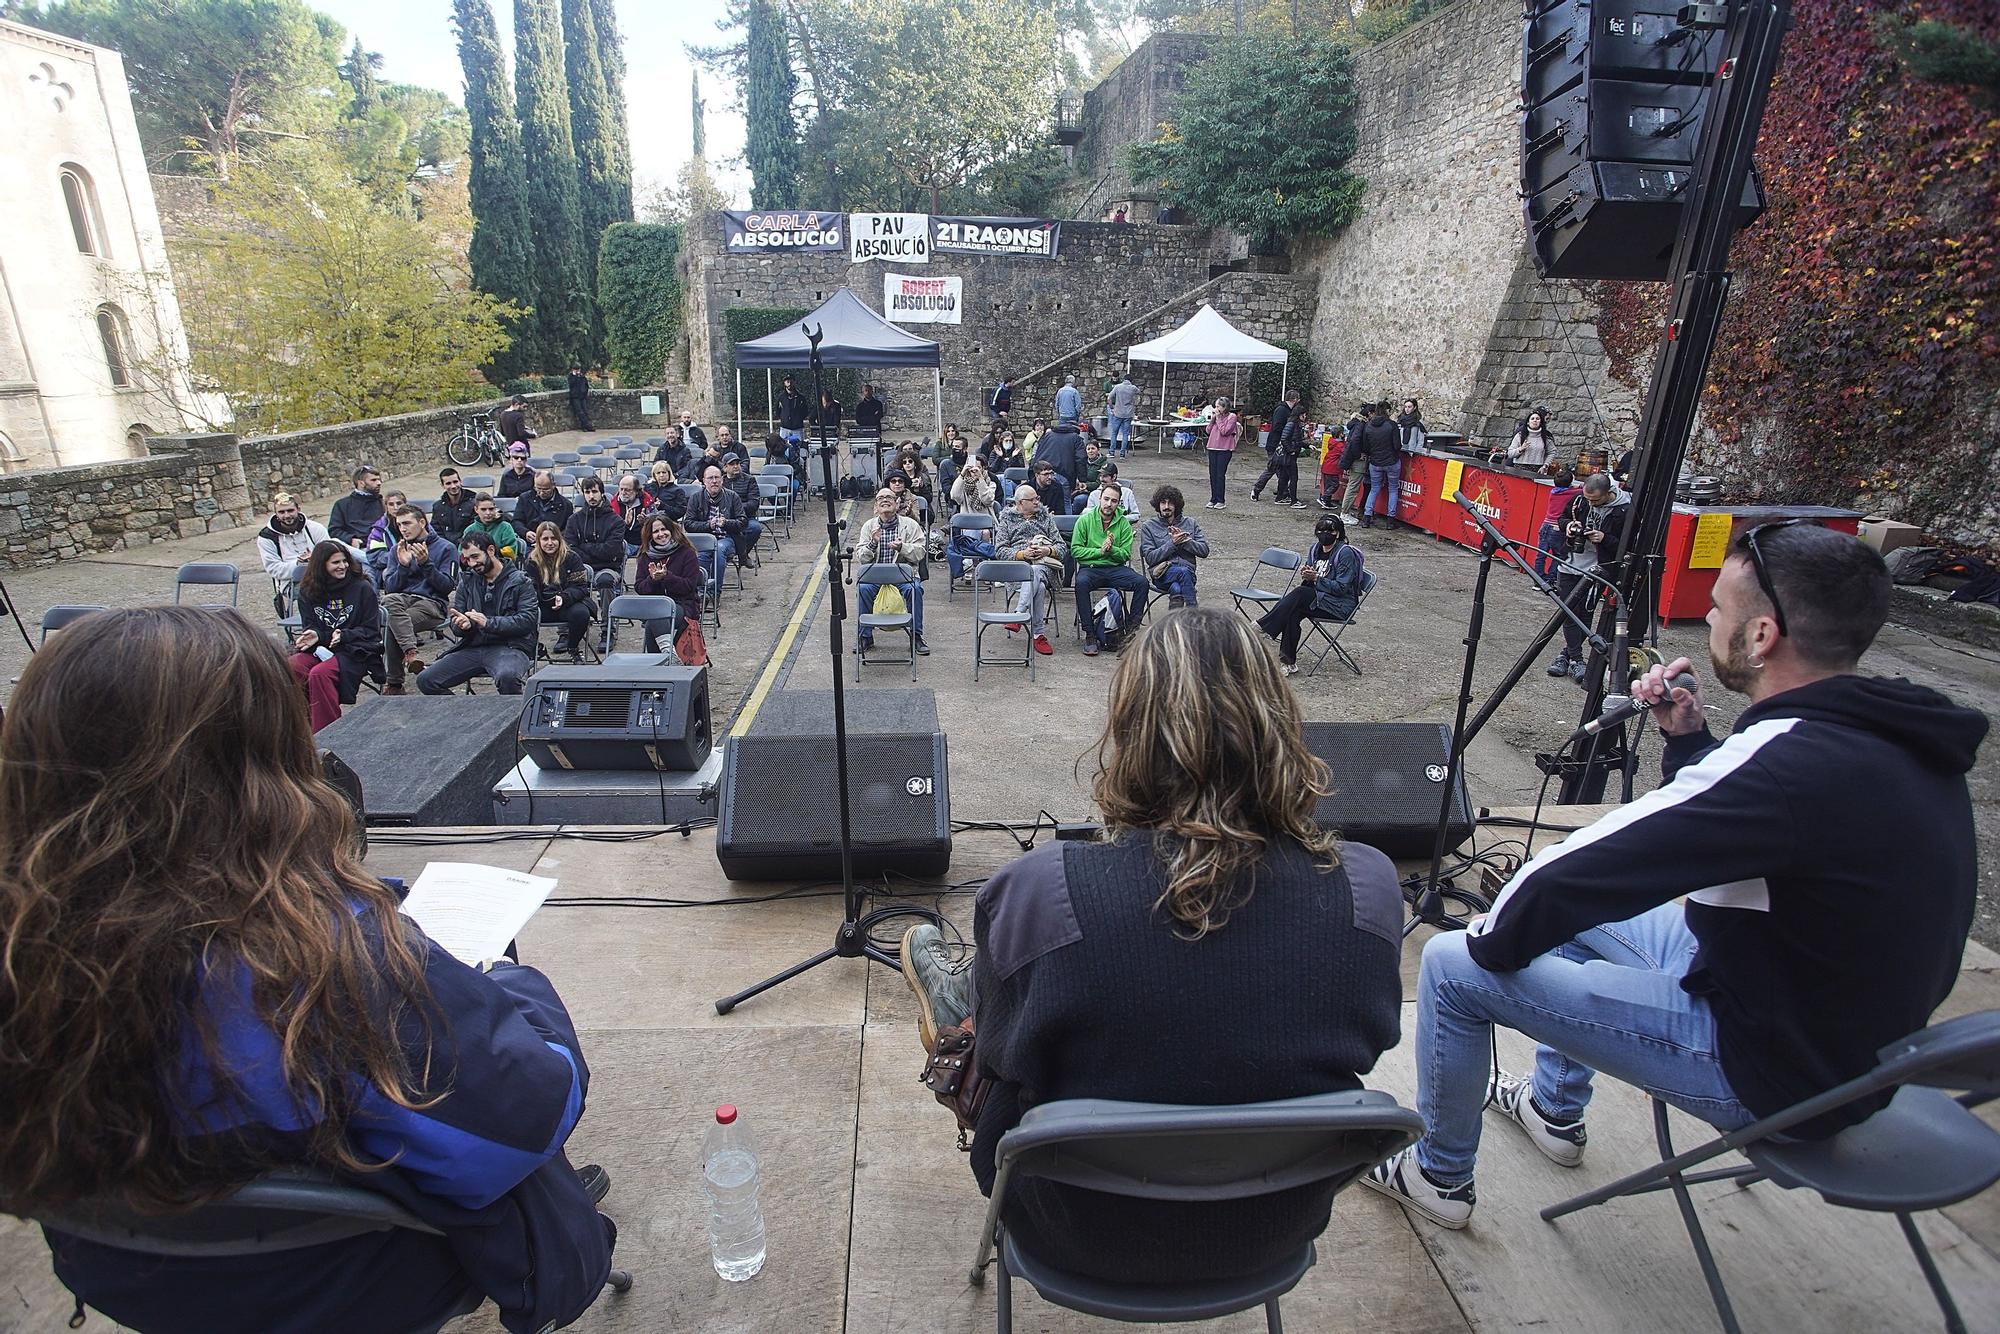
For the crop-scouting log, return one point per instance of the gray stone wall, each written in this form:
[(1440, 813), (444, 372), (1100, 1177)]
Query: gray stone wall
[(1127, 108), (1019, 314), (1544, 351)]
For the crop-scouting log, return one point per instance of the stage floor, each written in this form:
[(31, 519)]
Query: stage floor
[(872, 1213)]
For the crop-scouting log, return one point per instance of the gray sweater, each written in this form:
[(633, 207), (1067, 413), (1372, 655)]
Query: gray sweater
[(1156, 542)]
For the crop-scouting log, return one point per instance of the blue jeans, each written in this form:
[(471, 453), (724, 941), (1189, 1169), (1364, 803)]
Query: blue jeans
[(1121, 578), (1218, 473), (725, 552), (1121, 435), (1389, 479), (1178, 581), (913, 598), (752, 530), (1608, 1000), (965, 551)]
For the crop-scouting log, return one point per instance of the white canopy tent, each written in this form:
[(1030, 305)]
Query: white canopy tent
[(1207, 339)]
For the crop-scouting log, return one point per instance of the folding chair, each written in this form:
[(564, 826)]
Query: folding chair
[(508, 505), (704, 549), (770, 510), (281, 1211), (1158, 1151), (655, 441), (1319, 628), (425, 506), (208, 574), (540, 464), (1005, 573), (880, 576), (1016, 475), (1277, 558), (1925, 1150), (782, 470), (641, 609), (569, 456), (971, 523), (589, 450), (482, 482), (55, 618)]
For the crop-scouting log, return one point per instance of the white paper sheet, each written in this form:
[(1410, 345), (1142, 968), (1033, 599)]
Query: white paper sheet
[(472, 911)]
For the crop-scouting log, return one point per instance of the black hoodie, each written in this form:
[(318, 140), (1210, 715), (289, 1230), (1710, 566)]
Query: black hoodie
[(1827, 851)]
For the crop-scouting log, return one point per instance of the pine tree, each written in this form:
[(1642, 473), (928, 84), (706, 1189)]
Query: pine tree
[(611, 56), (771, 134), (596, 169), (500, 249), (541, 99), (358, 71)]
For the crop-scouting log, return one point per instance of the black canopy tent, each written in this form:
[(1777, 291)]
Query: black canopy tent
[(854, 336)]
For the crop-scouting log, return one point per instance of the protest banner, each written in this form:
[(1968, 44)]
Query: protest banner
[(743, 231), (900, 238), (1032, 237), (908, 299)]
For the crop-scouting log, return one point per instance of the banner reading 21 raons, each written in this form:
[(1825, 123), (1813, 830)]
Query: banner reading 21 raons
[(1033, 238)]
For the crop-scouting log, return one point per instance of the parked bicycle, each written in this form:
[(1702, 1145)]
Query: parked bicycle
[(477, 442)]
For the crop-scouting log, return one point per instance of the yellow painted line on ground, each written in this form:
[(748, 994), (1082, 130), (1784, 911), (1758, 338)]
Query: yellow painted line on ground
[(783, 649)]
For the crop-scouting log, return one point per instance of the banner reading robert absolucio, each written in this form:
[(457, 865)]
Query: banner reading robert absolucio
[(908, 299), (1033, 237), (783, 231)]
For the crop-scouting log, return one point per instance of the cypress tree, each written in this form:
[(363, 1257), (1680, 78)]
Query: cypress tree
[(548, 154), (611, 57), (771, 134), (500, 248), (590, 125), (359, 73)]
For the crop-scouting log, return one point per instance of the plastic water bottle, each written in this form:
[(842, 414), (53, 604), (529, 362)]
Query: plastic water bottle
[(735, 1223)]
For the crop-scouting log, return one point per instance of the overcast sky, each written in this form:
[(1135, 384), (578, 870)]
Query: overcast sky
[(417, 45)]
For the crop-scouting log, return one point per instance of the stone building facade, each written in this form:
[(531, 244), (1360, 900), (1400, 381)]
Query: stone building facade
[(93, 357)]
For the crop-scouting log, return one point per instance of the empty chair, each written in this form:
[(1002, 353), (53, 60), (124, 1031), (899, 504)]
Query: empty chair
[(1004, 573), (425, 506), (867, 623), (621, 439), (1196, 1154), (541, 464), (1279, 561), (659, 619), (55, 618), (626, 453), (567, 456), (704, 549), (482, 482), (587, 451), (208, 574), (770, 511)]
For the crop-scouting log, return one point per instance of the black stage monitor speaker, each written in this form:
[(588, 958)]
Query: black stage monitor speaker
[(780, 813), (1387, 779), (428, 760), (618, 716)]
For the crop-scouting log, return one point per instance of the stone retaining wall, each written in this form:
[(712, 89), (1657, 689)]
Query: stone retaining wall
[(195, 484)]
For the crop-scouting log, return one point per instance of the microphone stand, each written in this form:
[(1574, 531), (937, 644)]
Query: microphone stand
[(850, 940), (1429, 905)]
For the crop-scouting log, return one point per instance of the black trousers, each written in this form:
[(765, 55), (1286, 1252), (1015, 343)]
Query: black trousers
[(1287, 619), (579, 408)]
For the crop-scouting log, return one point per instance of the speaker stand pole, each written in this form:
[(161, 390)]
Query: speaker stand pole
[(850, 940)]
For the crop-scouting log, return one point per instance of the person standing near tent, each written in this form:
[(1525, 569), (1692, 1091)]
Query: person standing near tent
[(1223, 429), (1121, 406)]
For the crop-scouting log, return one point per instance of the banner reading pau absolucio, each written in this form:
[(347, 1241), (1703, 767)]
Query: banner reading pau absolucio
[(742, 232), (1033, 237)]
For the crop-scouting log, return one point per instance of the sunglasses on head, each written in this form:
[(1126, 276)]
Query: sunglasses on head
[(1750, 540)]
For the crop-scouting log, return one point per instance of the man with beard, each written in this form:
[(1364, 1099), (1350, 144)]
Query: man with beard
[(1592, 526), (1826, 851), (495, 615), (283, 546)]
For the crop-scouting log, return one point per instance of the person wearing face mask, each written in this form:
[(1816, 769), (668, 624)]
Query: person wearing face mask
[(1329, 589), (340, 631), (1101, 546), (283, 545), (494, 614)]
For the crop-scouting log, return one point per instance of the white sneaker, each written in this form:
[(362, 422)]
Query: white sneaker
[(1512, 1097), (1404, 1182)]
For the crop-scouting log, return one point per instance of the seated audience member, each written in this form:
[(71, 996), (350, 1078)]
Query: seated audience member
[(725, 442), (737, 479), (488, 523), (1107, 475), (284, 544), (675, 453), (1094, 459), (660, 481), (1028, 533), (1062, 449), (779, 449), (1007, 454), (891, 537), (562, 589), (517, 479), (1824, 917), (669, 568), (454, 508), (596, 533), (897, 483), (1169, 544), (382, 535), (1329, 589), (340, 631), (972, 490), (695, 435), (921, 484), (543, 504), (356, 512), (630, 505), (715, 510), (1213, 909), (494, 615), (204, 985), (418, 579), (952, 456), (1101, 545)]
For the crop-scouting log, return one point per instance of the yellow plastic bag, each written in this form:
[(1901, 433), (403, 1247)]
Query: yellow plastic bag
[(889, 601)]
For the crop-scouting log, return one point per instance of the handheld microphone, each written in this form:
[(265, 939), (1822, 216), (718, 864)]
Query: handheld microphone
[(1628, 708)]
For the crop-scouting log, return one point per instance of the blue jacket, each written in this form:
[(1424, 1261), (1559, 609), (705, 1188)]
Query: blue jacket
[(483, 1164), (436, 578)]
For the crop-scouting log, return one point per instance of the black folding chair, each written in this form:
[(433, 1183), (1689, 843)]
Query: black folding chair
[(972, 524), (1255, 594), (55, 618), (1003, 574), (644, 610), (208, 574), (1925, 1150), (1157, 1151), (1330, 631)]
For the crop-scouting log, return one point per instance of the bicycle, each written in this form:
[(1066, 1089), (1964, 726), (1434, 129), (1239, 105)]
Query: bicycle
[(476, 442)]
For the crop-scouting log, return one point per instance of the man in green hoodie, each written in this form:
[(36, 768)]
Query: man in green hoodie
[(1101, 545)]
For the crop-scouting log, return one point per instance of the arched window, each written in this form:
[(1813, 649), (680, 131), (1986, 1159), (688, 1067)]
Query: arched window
[(9, 451), (116, 335), (80, 198)]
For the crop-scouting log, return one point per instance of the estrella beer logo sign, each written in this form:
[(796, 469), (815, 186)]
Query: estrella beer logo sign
[(1483, 502), (750, 231)]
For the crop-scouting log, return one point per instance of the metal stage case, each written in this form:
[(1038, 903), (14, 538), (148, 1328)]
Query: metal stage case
[(532, 795)]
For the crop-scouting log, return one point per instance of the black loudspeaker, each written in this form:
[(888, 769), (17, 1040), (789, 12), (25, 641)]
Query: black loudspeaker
[(348, 783), (1611, 39), (780, 813), (1387, 778), (1618, 219), (428, 760), (618, 716)]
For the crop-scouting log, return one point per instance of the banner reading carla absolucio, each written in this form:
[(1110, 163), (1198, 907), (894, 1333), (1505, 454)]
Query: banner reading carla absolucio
[(908, 299), (1033, 237), (783, 231)]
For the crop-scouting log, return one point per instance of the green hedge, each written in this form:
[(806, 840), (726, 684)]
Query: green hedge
[(639, 291), (740, 324), (1262, 393)]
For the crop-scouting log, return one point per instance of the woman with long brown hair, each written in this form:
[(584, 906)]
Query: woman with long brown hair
[(1213, 946), (339, 639), (562, 587), (199, 983)]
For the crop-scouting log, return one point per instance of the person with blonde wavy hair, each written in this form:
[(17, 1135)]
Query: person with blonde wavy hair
[(1214, 945)]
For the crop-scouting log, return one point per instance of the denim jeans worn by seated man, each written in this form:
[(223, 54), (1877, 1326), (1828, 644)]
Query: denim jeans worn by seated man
[(725, 552), (1178, 581), (1630, 1019), (1124, 579)]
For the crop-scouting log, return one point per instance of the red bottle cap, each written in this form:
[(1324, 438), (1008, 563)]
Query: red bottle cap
[(725, 1115)]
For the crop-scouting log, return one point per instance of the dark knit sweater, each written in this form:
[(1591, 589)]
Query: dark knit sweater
[(1085, 991)]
